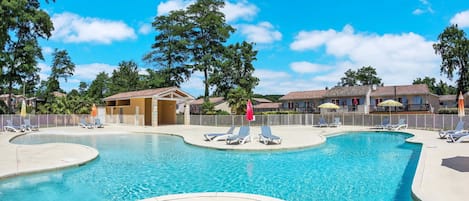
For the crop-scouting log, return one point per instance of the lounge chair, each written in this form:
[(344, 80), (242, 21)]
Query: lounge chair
[(459, 128), (12, 128), (336, 122), (27, 125), (241, 138), (266, 136), (458, 136), (98, 124), (219, 136), (384, 124), (322, 122), (400, 125), (85, 124)]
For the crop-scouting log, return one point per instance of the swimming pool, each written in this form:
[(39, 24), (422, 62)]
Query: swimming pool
[(357, 166)]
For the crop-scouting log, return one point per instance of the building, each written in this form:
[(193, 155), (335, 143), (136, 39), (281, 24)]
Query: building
[(16, 101), (151, 107), (448, 101), (266, 107), (415, 98), (350, 99), (218, 102), (303, 101)]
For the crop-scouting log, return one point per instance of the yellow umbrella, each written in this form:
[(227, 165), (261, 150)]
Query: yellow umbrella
[(329, 106), (23, 109), (390, 103)]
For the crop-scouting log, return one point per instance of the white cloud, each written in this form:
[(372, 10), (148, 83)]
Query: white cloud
[(47, 50), (263, 32), (44, 71), (461, 19), (145, 29), (86, 72), (398, 58), (425, 7), (170, 5), (307, 67), (418, 11), (239, 10), (72, 28)]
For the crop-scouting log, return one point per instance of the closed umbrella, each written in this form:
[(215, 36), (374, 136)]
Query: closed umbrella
[(249, 111), (23, 109), (461, 106), (390, 103)]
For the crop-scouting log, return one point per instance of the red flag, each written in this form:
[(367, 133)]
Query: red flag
[(249, 111)]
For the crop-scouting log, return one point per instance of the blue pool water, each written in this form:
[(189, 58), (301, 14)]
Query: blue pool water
[(358, 166)]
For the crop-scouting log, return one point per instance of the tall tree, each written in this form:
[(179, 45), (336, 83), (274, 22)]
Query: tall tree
[(350, 79), (99, 87), (367, 75), (430, 82), (170, 51), (23, 22), (236, 70), (62, 67), (237, 99), (125, 78), (453, 46), (209, 31)]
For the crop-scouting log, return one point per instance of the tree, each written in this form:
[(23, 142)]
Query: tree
[(453, 46), (365, 75), (23, 22), (237, 99), (62, 67), (82, 88), (99, 87), (170, 50), (125, 78), (236, 70), (208, 32), (349, 80), (444, 89)]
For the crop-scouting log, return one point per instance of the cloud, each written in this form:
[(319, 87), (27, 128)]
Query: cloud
[(44, 71), (263, 32), (72, 28), (47, 50), (418, 11), (398, 58), (170, 5), (145, 29), (461, 19), (425, 7), (240, 10), (307, 67), (88, 72)]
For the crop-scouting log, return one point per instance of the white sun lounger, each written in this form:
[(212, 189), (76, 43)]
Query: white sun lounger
[(241, 138), (384, 124), (27, 125), (322, 122), (459, 128), (85, 124), (266, 136), (336, 122), (398, 126), (12, 128), (219, 136)]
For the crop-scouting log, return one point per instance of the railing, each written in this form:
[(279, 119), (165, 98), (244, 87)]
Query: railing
[(418, 121)]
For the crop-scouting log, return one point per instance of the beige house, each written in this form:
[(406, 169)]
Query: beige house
[(219, 102), (303, 101), (415, 98), (151, 107)]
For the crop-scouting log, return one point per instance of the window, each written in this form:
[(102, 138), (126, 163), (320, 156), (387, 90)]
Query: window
[(335, 101), (378, 100)]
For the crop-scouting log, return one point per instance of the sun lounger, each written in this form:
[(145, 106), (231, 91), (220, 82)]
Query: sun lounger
[(27, 125), (241, 138), (398, 126), (336, 122), (459, 128), (384, 124), (98, 124), (266, 136), (458, 136), (322, 123), (219, 136), (12, 128), (85, 124)]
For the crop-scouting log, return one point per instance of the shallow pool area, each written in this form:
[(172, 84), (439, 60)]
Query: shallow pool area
[(357, 166)]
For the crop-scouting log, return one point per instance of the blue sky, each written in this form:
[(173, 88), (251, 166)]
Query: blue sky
[(302, 44)]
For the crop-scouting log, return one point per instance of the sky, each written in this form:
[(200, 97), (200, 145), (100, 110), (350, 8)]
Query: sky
[(302, 44)]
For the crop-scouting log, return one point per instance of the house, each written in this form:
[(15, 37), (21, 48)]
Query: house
[(256, 101), (266, 107), (415, 98), (150, 107), (448, 101), (350, 99), (303, 101), (219, 103), (16, 101)]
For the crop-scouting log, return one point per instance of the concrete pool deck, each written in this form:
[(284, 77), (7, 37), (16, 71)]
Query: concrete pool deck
[(432, 181)]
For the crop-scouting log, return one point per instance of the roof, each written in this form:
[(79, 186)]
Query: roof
[(448, 98), (300, 95), (214, 100), (145, 93), (261, 100), (267, 106), (416, 89), (347, 91)]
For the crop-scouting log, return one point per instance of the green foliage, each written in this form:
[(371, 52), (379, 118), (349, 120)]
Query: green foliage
[(208, 108), (73, 103), (451, 110), (125, 78), (3, 108), (99, 88), (279, 112), (237, 99), (365, 75), (453, 46), (271, 97), (440, 89)]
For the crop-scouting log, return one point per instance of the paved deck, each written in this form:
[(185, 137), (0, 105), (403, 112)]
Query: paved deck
[(432, 181)]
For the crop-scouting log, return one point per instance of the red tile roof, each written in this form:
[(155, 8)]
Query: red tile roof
[(214, 100), (448, 98), (261, 100), (138, 94), (267, 106), (417, 89), (301, 95)]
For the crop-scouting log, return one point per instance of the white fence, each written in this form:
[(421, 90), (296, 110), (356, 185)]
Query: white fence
[(418, 121)]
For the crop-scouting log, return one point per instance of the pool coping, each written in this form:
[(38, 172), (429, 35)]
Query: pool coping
[(209, 196)]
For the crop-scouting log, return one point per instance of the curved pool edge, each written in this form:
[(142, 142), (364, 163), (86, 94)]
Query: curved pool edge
[(19, 159), (209, 196)]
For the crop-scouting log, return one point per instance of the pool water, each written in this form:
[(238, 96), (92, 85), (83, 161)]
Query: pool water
[(356, 166)]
